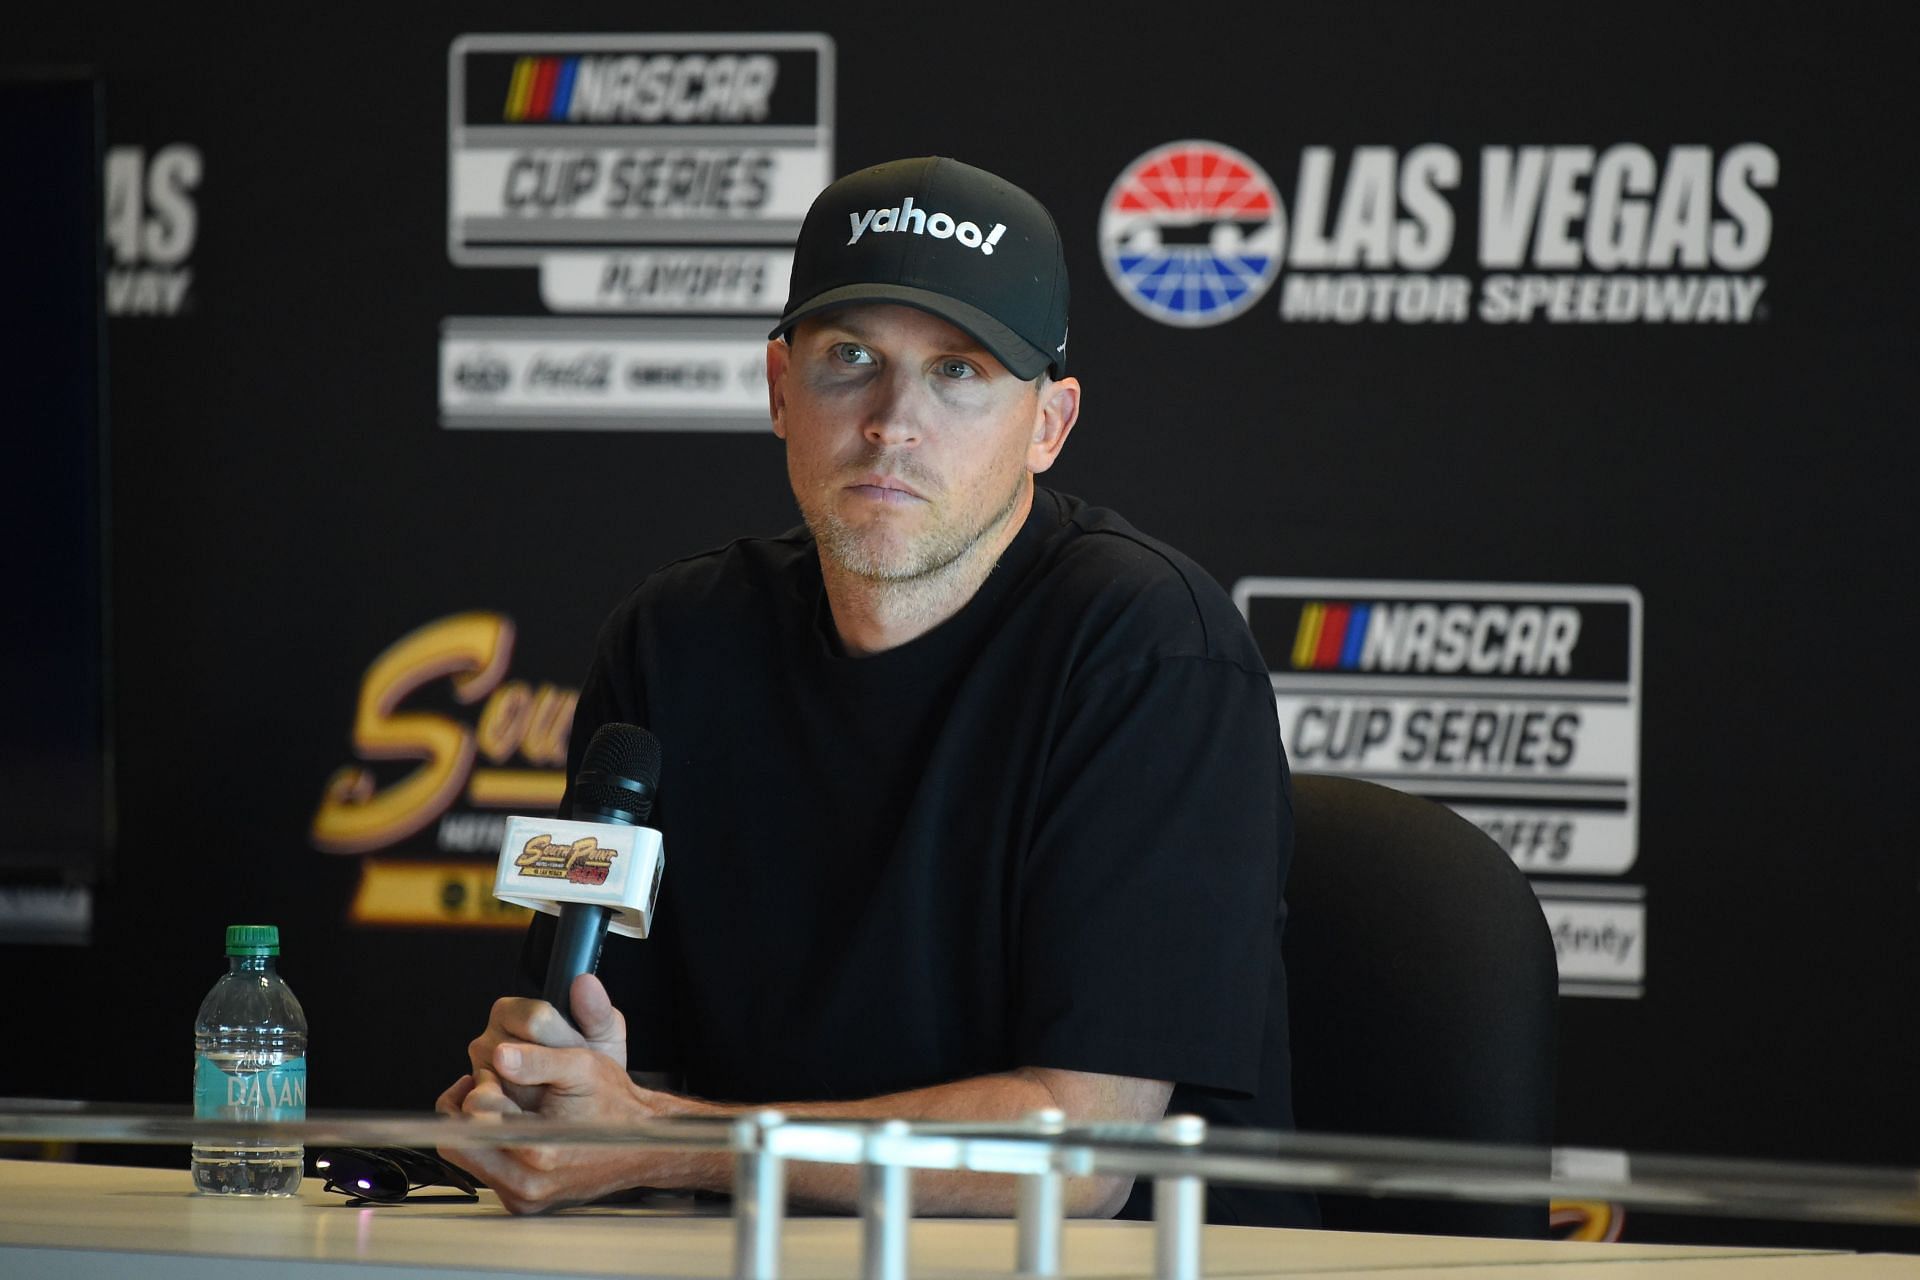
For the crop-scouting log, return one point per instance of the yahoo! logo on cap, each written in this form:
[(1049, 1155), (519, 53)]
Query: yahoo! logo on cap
[(940, 226)]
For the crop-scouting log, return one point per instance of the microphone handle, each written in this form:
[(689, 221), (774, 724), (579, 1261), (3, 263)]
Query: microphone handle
[(577, 936), (582, 927)]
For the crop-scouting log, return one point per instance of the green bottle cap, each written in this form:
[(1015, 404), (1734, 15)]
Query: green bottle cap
[(253, 940)]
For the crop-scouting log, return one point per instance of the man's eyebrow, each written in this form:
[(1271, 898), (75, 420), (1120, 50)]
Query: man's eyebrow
[(850, 325), (853, 327)]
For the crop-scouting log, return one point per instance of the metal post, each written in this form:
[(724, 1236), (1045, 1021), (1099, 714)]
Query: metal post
[(759, 1198), (1179, 1207), (886, 1206), (1043, 1205)]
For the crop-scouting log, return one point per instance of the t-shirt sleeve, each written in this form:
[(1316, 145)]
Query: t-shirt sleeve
[(612, 693), (635, 972), (1150, 895)]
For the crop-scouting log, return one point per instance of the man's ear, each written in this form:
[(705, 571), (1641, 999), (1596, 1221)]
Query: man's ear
[(1058, 408), (779, 354)]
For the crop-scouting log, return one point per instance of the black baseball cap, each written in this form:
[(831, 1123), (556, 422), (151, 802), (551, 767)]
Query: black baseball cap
[(946, 238)]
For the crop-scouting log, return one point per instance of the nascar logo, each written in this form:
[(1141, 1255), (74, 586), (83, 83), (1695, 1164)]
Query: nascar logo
[(1481, 639), (1191, 233), (1330, 637), (677, 88)]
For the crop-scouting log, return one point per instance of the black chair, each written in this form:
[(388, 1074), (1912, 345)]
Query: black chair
[(1422, 986)]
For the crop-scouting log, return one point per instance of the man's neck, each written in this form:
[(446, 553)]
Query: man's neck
[(872, 615)]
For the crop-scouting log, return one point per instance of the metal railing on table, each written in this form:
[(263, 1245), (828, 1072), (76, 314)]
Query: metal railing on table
[(1178, 1155)]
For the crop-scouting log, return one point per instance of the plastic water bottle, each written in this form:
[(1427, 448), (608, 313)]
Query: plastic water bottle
[(249, 1063)]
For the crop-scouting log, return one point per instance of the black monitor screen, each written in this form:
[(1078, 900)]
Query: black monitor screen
[(54, 801)]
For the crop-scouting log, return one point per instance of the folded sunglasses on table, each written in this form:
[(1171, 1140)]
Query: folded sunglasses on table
[(388, 1175)]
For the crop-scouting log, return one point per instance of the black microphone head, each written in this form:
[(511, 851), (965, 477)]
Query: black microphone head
[(619, 774)]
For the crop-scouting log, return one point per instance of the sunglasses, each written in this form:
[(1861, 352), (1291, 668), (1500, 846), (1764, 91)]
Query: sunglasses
[(386, 1175)]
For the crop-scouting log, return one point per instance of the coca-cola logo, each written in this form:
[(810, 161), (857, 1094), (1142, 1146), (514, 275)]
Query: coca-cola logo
[(587, 371)]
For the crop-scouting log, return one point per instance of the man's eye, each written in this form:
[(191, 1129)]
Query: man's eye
[(852, 353), (957, 368)]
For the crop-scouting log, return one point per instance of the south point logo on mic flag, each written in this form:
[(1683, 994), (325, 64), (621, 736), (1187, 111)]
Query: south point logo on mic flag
[(545, 862), (584, 861)]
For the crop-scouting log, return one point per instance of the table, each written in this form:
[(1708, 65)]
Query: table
[(79, 1222)]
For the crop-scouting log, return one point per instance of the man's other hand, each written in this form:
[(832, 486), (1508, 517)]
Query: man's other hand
[(531, 1061)]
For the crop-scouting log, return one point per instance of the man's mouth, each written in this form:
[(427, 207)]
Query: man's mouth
[(878, 488)]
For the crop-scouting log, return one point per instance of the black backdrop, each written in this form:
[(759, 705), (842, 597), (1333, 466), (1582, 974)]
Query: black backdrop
[(287, 504)]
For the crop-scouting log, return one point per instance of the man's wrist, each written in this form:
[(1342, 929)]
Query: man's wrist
[(681, 1170)]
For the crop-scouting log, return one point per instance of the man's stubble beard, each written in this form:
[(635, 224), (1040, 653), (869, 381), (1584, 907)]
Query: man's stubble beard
[(925, 556)]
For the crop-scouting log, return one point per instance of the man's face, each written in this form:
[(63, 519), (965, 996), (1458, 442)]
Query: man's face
[(906, 441)]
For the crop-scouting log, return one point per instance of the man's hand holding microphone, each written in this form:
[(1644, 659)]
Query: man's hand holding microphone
[(564, 1058), (532, 1061)]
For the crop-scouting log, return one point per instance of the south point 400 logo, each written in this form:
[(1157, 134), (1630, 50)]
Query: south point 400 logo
[(581, 862), (1194, 233)]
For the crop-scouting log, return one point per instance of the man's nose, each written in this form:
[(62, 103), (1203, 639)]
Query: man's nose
[(895, 413)]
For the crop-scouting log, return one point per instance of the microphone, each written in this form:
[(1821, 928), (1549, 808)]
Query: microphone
[(598, 868)]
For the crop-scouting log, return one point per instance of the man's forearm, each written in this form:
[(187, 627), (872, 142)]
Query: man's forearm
[(1009, 1096)]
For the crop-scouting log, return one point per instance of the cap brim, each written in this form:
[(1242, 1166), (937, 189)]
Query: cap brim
[(1021, 357)]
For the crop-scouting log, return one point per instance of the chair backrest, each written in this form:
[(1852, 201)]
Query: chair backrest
[(1422, 990)]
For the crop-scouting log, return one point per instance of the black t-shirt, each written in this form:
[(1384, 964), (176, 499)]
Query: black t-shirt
[(1051, 832)]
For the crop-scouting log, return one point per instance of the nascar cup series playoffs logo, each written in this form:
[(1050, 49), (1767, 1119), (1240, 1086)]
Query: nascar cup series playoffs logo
[(1191, 234)]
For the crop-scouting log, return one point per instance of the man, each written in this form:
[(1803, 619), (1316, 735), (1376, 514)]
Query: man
[(974, 795)]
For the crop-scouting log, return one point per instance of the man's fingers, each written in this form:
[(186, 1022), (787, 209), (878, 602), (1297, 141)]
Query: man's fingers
[(527, 1098), (517, 1175), (566, 1071), (448, 1103), (472, 1159), (521, 1018), (546, 1026), (600, 1022), (489, 1097), (532, 1064), (489, 1164)]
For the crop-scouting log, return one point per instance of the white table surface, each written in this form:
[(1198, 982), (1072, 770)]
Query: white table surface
[(76, 1222)]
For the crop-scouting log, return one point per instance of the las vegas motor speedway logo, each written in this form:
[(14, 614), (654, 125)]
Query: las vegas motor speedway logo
[(1195, 233), (1191, 233), (151, 224)]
